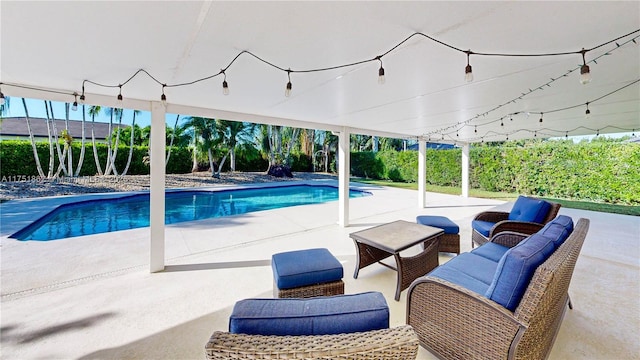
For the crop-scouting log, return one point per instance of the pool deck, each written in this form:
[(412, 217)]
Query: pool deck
[(93, 296)]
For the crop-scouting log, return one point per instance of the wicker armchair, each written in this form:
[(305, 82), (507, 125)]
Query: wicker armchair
[(502, 223), (456, 323), (386, 344)]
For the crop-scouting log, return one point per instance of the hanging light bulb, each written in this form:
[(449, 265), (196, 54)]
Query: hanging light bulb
[(82, 95), (587, 113), (541, 117), (475, 130), (501, 122), (163, 97), (120, 96), (287, 91), (381, 79), (585, 74), (74, 107), (468, 72), (566, 135), (225, 85), (598, 132)]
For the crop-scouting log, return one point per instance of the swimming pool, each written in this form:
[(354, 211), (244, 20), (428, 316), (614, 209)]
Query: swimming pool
[(131, 212)]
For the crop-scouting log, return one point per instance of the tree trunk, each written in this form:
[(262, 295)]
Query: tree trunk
[(69, 149), (213, 170), (51, 154), (194, 166), (173, 135), (33, 141), (81, 159), (95, 150), (62, 155), (133, 128)]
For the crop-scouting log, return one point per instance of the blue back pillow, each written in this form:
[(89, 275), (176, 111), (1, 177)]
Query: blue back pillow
[(529, 209), (516, 268)]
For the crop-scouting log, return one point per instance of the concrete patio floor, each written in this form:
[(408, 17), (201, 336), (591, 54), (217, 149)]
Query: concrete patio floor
[(92, 297)]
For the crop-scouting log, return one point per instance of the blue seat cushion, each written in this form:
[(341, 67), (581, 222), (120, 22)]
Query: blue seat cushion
[(516, 268), (440, 222), (483, 227), (475, 266), (491, 251), (305, 267), (529, 209), (558, 229), (322, 315), (454, 276)]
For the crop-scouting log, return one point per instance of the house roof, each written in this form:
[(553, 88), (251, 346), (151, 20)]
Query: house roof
[(17, 126), (185, 44)]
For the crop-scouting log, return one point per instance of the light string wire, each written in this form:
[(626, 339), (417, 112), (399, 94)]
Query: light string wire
[(540, 131), (376, 58), (469, 52), (460, 125)]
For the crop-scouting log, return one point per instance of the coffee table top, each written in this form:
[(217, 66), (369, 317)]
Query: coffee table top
[(396, 236)]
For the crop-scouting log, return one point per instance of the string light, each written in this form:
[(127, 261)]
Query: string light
[(225, 85), (120, 95), (163, 97), (541, 117), (468, 72), (82, 98), (74, 107), (501, 122), (381, 78), (287, 91), (587, 113), (566, 135), (476, 129), (585, 74)]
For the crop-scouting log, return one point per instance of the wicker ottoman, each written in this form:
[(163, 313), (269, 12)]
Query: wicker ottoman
[(306, 273), (450, 240)]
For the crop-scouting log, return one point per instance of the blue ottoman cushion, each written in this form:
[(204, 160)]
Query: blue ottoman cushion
[(516, 269), (440, 222), (310, 316), (305, 267)]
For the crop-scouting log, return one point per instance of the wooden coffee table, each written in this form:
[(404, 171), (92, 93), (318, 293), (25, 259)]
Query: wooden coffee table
[(383, 241)]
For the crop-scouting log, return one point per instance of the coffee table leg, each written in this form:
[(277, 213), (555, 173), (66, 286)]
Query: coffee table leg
[(399, 276), (367, 255)]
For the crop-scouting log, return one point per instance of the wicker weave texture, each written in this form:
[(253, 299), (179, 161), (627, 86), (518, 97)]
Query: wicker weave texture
[(450, 243), (326, 289), (455, 323), (387, 344)]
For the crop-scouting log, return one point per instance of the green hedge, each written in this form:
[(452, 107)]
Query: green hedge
[(593, 171), (16, 159)]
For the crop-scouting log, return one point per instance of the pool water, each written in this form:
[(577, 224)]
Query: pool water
[(131, 212)]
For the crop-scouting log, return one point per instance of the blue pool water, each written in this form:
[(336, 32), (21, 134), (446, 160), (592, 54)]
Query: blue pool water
[(130, 212)]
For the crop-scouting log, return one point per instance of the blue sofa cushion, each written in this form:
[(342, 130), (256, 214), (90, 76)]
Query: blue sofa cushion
[(305, 267), (516, 269), (454, 276), (491, 251), (440, 222), (322, 315), (475, 266), (558, 229), (529, 209), (483, 227)]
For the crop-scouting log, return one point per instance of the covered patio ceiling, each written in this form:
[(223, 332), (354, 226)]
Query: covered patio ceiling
[(58, 45)]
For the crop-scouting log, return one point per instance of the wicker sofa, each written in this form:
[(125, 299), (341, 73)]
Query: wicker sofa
[(454, 319), (354, 326), (520, 219)]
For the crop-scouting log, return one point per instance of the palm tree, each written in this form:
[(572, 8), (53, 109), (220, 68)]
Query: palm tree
[(33, 141), (173, 135), (93, 111), (234, 132), (205, 139), (112, 151)]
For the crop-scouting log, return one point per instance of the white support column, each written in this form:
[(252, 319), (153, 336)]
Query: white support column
[(465, 170), (422, 173), (157, 186), (344, 167)]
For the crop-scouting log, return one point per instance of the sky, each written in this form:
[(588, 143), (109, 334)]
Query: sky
[(37, 110)]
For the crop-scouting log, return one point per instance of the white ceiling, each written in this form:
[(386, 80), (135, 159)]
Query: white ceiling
[(56, 45)]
